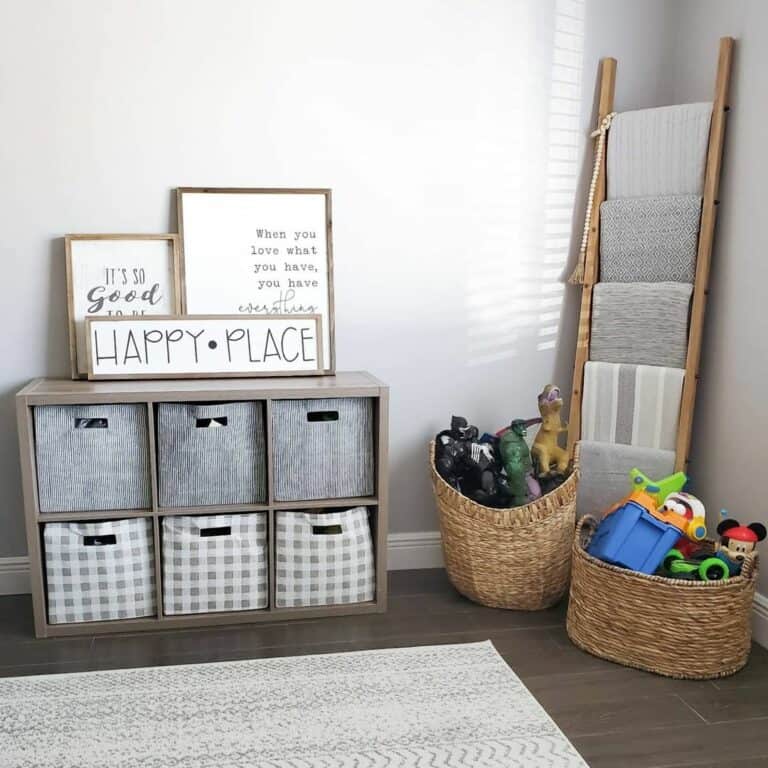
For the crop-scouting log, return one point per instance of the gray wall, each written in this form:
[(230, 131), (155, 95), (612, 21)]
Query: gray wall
[(730, 446), (437, 123)]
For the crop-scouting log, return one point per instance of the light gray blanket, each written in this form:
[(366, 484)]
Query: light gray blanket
[(659, 151), (605, 473)]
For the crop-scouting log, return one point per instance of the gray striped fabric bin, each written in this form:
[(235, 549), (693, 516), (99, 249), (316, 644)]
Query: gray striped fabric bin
[(92, 457), (323, 558), (99, 571), (323, 449), (211, 454), (214, 563)]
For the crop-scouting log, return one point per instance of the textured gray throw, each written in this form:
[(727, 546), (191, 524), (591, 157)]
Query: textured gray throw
[(649, 239), (641, 323)]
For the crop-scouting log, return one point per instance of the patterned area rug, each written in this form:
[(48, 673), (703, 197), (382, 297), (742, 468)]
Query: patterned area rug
[(439, 706)]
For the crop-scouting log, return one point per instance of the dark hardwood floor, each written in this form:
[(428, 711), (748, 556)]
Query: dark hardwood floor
[(616, 717)]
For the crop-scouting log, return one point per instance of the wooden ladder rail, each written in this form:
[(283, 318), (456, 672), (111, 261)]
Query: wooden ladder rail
[(704, 253), (591, 262), (703, 259)]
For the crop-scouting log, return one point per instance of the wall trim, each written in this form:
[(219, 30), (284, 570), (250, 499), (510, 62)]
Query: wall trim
[(420, 549), (404, 550), (14, 575), (760, 619)]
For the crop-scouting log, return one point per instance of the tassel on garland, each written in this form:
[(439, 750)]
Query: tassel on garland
[(577, 276)]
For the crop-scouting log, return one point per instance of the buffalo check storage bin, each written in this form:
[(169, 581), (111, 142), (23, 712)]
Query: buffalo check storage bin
[(99, 571), (92, 457), (323, 449), (211, 454), (214, 563), (323, 558)]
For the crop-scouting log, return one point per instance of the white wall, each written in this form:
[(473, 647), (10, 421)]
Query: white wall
[(438, 124), (730, 450)]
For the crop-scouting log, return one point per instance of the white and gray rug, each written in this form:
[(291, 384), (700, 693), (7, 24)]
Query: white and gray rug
[(440, 706)]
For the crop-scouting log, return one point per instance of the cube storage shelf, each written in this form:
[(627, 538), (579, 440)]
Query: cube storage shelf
[(370, 480)]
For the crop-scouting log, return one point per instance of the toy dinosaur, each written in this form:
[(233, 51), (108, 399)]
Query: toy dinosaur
[(546, 450), (516, 458)]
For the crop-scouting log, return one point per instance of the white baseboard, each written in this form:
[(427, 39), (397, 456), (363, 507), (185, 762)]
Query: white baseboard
[(14, 575), (414, 550), (760, 620), (405, 550)]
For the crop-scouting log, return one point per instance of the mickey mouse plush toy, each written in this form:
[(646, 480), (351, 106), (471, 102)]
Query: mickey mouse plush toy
[(736, 541)]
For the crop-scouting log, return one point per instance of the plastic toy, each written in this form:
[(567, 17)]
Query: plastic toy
[(644, 499), (632, 537), (516, 458), (660, 489), (699, 566), (736, 541), (546, 451), (686, 512), (534, 487)]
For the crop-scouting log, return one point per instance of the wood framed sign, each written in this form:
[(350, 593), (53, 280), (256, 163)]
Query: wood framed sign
[(118, 275), (204, 346), (258, 251)]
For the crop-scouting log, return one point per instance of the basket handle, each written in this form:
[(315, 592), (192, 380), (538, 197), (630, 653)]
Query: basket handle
[(749, 566), (585, 529), (576, 456)]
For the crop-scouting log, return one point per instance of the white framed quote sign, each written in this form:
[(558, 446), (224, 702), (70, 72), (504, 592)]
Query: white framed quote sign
[(115, 276), (259, 252), (214, 346)]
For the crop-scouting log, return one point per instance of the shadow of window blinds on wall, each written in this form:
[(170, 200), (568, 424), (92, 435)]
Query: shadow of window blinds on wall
[(515, 271)]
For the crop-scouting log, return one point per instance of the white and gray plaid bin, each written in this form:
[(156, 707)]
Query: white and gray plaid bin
[(92, 457), (215, 563), (323, 449), (99, 571), (323, 558), (211, 454)]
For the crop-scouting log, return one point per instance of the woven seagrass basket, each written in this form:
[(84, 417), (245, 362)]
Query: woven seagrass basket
[(686, 629), (508, 558)]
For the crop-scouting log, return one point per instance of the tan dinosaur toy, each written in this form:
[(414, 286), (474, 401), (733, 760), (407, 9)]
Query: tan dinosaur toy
[(545, 451)]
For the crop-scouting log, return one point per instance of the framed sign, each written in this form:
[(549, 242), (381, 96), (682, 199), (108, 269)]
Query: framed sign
[(258, 251), (118, 275), (204, 346)]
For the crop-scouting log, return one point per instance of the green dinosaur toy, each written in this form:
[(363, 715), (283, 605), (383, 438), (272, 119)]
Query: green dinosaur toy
[(659, 489), (516, 458)]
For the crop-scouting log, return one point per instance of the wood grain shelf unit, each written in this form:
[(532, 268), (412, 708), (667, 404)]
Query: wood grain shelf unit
[(67, 392)]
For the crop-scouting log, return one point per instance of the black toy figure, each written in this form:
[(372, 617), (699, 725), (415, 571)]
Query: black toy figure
[(469, 463)]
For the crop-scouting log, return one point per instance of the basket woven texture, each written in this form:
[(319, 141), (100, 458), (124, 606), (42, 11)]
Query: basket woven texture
[(685, 629), (508, 558)]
